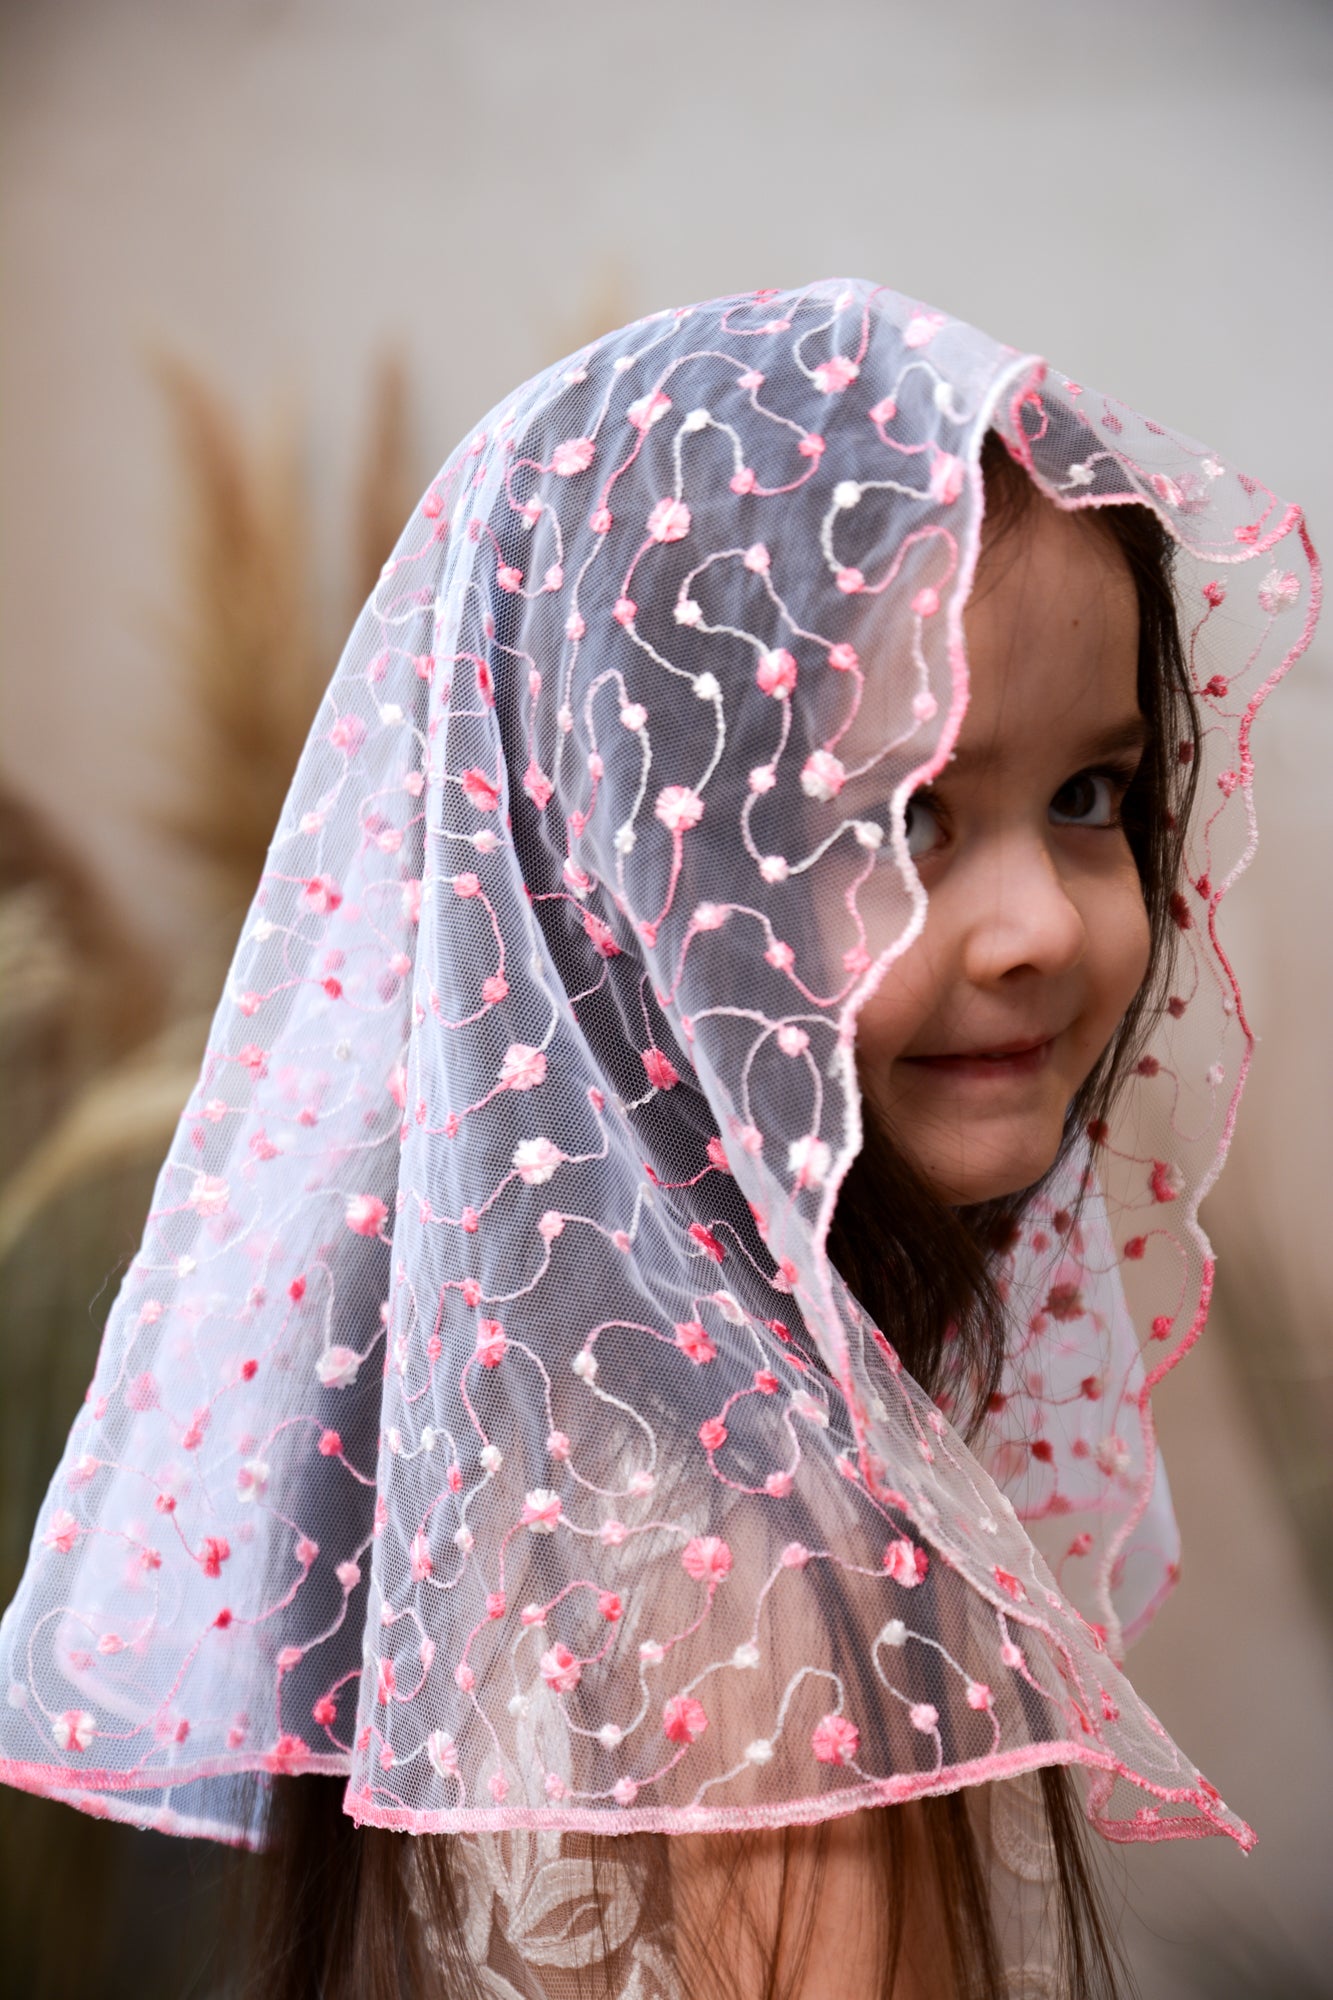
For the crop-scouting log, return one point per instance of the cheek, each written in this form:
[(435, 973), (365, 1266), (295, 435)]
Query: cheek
[(1124, 941), (888, 1019)]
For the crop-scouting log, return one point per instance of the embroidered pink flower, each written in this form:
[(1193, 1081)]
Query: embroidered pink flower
[(213, 1552), (822, 776), (947, 477), (337, 1366), (923, 1716), (490, 1343), (921, 328), (712, 1433), (209, 1196), (836, 374), (624, 1791), (74, 1730), (683, 1719), (348, 733), (669, 521), (835, 1740), (776, 673), (482, 790), (661, 1071), (508, 577), (366, 1214), (707, 1242), (678, 807), (906, 1563), (523, 1068), (1009, 1584), (537, 785), (573, 455), (599, 935), (287, 1753), (707, 1559), (541, 1511), (62, 1531), (536, 1160), (322, 895), (560, 1670), (692, 1339)]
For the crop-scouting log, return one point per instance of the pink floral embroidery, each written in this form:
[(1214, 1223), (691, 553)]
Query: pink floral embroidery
[(835, 1740), (62, 1531), (776, 673), (560, 1670), (906, 1563), (574, 455), (366, 1214), (662, 1073), (678, 807), (836, 374), (683, 1719), (692, 1338), (523, 1068), (481, 789), (707, 1559), (669, 521), (541, 1511)]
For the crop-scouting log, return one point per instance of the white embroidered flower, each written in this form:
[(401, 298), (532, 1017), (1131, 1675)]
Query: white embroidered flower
[(808, 1160), (536, 1160), (893, 1634), (443, 1752), (252, 1479), (823, 776), (490, 1458), (759, 1752), (746, 1654), (846, 493), (610, 1736), (707, 686), (337, 1367)]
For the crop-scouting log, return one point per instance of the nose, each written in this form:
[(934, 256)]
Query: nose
[(1022, 916)]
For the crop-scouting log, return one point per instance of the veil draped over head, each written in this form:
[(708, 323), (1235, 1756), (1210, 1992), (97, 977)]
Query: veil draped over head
[(481, 1417)]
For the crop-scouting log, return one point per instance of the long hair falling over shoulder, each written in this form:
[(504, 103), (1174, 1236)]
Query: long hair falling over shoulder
[(361, 1914)]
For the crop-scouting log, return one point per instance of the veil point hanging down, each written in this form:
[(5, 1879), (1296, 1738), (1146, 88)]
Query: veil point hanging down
[(482, 1418)]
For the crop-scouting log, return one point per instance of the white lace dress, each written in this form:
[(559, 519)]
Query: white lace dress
[(531, 1913)]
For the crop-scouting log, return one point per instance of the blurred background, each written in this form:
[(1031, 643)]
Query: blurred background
[(264, 261)]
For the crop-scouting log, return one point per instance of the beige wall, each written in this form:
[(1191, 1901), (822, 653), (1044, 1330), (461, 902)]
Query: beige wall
[(1138, 188)]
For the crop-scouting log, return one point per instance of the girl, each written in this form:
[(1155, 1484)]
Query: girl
[(624, 1459)]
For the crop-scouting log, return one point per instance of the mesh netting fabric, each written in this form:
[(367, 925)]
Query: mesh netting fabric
[(481, 1417)]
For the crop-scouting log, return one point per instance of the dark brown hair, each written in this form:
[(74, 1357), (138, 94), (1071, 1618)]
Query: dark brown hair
[(334, 1913)]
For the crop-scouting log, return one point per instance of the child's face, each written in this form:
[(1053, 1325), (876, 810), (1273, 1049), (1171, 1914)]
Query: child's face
[(1036, 929)]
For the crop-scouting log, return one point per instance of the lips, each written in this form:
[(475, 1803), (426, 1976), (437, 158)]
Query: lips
[(1019, 1058)]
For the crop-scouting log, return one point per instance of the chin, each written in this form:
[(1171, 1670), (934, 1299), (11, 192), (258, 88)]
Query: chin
[(992, 1180)]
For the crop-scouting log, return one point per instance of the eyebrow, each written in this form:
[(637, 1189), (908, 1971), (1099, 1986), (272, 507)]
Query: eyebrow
[(1133, 732)]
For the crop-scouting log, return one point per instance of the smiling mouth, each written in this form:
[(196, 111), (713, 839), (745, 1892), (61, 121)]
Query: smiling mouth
[(1018, 1059)]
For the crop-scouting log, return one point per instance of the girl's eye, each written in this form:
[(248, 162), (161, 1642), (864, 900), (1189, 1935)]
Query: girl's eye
[(1095, 798), (922, 823)]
